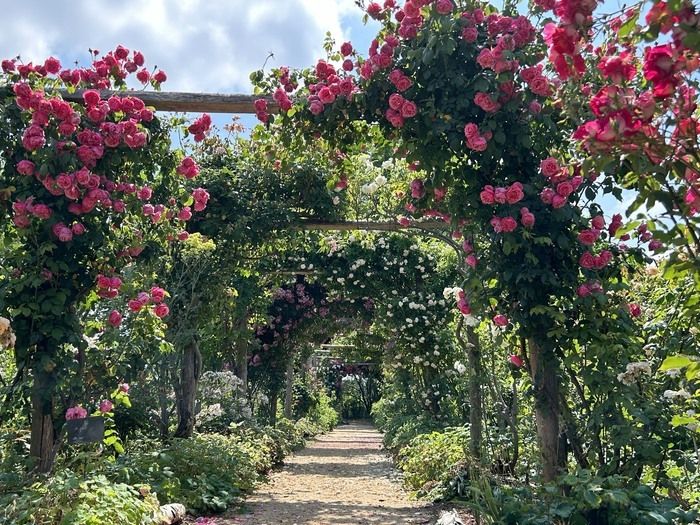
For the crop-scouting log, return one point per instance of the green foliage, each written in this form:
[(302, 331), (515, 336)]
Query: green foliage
[(206, 473), (579, 499), (66, 499), (430, 462), (322, 413)]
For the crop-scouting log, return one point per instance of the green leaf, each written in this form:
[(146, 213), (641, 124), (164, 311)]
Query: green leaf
[(592, 498), (675, 361), (627, 27)]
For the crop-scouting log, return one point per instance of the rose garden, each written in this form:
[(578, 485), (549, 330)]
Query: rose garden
[(482, 234)]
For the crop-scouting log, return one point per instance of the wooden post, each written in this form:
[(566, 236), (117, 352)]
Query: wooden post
[(187, 390), (289, 390), (42, 432)]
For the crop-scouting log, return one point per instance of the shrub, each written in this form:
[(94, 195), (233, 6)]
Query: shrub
[(586, 499), (206, 473), (68, 499), (323, 414), (432, 461)]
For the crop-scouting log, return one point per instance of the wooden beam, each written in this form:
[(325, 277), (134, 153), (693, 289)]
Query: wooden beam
[(186, 102), (388, 226)]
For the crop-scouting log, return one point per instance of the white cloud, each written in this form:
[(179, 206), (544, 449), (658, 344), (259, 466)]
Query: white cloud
[(203, 45)]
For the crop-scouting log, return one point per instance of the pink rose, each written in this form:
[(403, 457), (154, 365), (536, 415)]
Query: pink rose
[(396, 101), (444, 7), (516, 361), (106, 406), (157, 294), (486, 59), (527, 218), (550, 167), (547, 195), (500, 320), (159, 77), (471, 130), (76, 412), (558, 201), (514, 193), (587, 261), (500, 195), (161, 310), (124, 387), (470, 34), (508, 224), (144, 193), (598, 222), (25, 167), (471, 260), (487, 195), (326, 96), (417, 189), (477, 143), (635, 310), (185, 214), (91, 98), (115, 318), (409, 109), (135, 305), (565, 188), (78, 229), (655, 245), (588, 237), (346, 49)]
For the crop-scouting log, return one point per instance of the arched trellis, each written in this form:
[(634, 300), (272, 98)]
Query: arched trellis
[(245, 104)]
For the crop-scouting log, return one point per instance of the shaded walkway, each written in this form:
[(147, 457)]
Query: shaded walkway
[(343, 478)]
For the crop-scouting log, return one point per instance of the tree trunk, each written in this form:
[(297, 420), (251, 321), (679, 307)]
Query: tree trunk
[(543, 369), (472, 350), (42, 431), (273, 409), (187, 391), (242, 353), (242, 365), (289, 391)]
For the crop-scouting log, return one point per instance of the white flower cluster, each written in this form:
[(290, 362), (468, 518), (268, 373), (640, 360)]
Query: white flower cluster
[(372, 187), (459, 367), (677, 395), (7, 336), (634, 372)]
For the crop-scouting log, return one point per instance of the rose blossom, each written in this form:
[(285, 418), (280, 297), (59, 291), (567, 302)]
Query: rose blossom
[(500, 320), (76, 412), (161, 310)]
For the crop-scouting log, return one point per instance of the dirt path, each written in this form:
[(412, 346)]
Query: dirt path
[(343, 478)]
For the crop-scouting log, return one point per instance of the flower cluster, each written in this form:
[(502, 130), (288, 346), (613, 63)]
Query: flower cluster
[(155, 296), (562, 184), (399, 110), (476, 140), (508, 195), (329, 86), (634, 372), (200, 127)]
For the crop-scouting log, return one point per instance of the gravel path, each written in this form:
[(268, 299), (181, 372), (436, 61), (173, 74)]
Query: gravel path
[(342, 478)]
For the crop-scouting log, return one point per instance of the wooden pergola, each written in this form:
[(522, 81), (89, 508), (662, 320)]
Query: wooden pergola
[(245, 104)]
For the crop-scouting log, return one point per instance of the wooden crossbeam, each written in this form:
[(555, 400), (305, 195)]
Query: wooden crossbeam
[(185, 102), (389, 226)]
